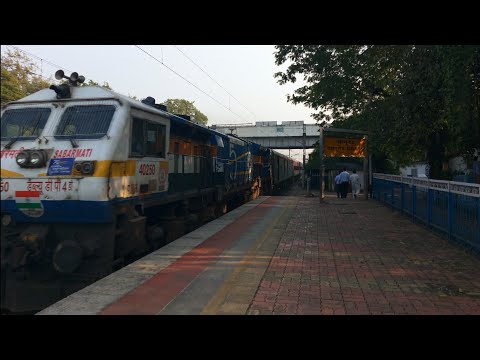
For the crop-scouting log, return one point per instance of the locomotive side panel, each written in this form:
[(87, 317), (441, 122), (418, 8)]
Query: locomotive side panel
[(139, 168), (239, 168)]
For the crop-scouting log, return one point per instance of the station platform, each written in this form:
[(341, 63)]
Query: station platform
[(293, 255)]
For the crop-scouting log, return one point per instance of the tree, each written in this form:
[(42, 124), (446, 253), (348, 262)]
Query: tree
[(416, 101), (90, 82), (185, 107), (19, 77)]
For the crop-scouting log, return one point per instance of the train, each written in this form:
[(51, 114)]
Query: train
[(91, 179)]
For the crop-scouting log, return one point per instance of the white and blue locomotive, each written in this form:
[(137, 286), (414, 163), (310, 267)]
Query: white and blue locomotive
[(91, 178)]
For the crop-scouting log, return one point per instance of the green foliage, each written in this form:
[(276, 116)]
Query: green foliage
[(19, 77), (416, 101), (185, 107), (90, 82)]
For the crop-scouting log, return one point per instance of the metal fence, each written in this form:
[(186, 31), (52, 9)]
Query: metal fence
[(449, 206)]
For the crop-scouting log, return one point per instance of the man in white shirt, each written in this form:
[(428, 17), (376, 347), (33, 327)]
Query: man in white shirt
[(355, 181)]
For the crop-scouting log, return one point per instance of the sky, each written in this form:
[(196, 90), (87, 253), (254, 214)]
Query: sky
[(243, 85)]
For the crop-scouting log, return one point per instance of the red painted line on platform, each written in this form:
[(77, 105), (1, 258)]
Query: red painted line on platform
[(157, 292)]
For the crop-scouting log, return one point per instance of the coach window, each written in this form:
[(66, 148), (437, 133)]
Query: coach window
[(155, 140)]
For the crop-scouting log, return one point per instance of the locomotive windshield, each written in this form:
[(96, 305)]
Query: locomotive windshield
[(24, 124), (85, 122)]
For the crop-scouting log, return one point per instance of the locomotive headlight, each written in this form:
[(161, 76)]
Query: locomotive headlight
[(22, 158), (37, 158), (88, 167), (29, 158)]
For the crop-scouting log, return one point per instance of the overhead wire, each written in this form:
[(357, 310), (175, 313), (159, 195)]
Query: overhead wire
[(40, 58), (184, 54), (46, 61), (161, 62), (195, 86)]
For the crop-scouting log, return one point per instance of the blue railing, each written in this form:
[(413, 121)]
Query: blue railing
[(448, 206)]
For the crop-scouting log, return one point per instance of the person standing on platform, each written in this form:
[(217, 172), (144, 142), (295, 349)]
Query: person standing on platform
[(338, 183), (344, 180), (355, 181)]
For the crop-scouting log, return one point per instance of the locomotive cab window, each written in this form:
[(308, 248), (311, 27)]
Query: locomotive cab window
[(155, 140), (85, 122), (148, 138), (24, 124)]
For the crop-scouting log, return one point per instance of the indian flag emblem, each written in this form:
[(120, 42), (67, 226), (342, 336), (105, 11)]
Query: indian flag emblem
[(29, 203)]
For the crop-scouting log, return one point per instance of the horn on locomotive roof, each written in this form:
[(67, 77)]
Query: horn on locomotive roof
[(63, 90), (73, 80)]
